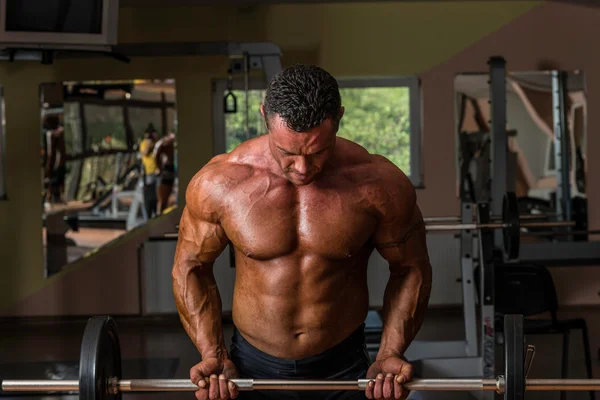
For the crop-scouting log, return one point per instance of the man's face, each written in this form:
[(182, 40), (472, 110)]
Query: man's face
[(301, 155)]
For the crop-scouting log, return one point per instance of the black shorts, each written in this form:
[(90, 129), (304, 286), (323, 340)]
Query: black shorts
[(167, 175), (349, 360)]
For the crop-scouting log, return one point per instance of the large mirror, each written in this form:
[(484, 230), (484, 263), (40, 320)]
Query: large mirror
[(533, 112), (108, 162)]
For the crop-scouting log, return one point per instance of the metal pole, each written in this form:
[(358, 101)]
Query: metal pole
[(49, 385), (458, 219), (561, 144), (485, 239), (496, 225), (246, 93), (440, 219), (562, 384), (174, 385), (468, 282), (499, 147)]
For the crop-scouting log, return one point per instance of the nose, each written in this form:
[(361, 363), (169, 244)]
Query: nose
[(301, 165)]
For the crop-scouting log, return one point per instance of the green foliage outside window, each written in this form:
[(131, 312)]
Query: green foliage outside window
[(376, 118)]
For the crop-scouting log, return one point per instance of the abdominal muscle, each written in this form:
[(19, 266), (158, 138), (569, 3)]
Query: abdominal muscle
[(292, 308)]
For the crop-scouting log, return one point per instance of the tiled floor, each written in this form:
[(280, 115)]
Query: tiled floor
[(159, 348)]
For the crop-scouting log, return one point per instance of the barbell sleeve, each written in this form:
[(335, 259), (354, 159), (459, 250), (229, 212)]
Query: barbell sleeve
[(48, 385), (553, 224), (173, 385), (562, 384)]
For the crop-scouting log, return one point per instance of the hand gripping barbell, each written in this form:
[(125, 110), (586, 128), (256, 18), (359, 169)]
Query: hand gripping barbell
[(100, 372)]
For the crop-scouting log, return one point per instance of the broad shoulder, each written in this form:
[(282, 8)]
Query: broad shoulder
[(374, 170), (225, 172), (385, 186), (219, 175), (393, 192), (214, 181)]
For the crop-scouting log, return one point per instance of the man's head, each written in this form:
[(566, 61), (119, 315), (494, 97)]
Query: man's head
[(150, 132), (302, 111)]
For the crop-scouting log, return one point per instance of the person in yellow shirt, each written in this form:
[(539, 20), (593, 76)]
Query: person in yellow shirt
[(150, 170)]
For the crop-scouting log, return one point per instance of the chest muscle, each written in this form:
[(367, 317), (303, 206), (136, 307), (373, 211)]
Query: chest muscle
[(267, 223)]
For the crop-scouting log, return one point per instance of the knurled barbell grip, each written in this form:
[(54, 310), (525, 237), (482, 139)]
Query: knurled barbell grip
[(278, 384)]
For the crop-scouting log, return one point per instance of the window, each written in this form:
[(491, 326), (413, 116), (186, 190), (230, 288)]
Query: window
[(2, 147), (235, 123), (71, 121), (140, 117), (382, 115), (105, 127), (230, 128)]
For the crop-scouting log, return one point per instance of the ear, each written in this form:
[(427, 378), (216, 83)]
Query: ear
[(340, 115), (262, 112)]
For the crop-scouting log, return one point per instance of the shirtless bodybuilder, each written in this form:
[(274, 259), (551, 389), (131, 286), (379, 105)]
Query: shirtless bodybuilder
[(303, 210), (164, 154)]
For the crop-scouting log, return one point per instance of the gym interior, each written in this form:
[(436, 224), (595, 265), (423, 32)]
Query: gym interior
[(471, 99)]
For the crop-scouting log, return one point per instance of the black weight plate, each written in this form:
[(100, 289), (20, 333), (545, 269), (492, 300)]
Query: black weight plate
[(514, 357), (512, 233), (100, 359)]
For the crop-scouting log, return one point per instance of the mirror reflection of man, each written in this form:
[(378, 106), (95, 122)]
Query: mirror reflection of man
[(164, 154), (150, 169), (55, 169)]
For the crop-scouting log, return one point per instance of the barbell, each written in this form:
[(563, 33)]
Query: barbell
[(510, 223), (100, 372)]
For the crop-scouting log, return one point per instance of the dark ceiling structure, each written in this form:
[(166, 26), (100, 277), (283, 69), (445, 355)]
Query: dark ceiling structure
[(170, 3)]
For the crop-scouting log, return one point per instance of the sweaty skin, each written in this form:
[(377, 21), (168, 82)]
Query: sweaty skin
[(302, 230)]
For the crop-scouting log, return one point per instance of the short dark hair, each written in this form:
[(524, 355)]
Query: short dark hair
[(303, 96), (150, 129)]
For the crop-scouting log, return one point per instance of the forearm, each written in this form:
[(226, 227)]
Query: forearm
[(405, 302), (199, 305)]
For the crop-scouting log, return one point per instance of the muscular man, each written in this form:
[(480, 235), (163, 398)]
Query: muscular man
[(303, 210), (150, 170), (164, 154)]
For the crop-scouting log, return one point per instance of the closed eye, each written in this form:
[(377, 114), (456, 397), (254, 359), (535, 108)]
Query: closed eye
[(287, 153)]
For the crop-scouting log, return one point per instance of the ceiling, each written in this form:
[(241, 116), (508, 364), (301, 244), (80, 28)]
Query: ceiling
[(170, 3)]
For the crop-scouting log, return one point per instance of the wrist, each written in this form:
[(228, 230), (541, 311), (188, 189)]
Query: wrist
[(215, 352), (386, 353)]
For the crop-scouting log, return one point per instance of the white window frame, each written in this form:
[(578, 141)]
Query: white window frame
[(3, 195), (219, 87), (412, 83)]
